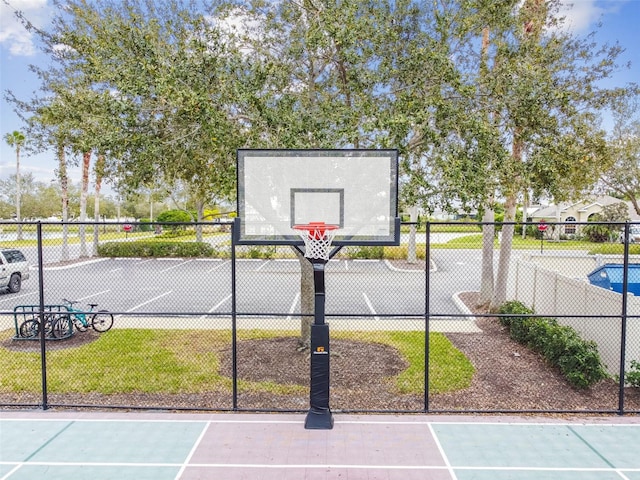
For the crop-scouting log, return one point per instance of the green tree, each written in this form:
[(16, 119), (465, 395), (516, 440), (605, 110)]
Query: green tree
[(523, 113), (609, 220), (623, 177), (318, 69)]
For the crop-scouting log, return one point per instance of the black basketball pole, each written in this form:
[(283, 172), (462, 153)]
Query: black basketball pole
[(319, 416)]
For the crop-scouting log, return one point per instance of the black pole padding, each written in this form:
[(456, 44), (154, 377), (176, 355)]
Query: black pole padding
[(319, 415)]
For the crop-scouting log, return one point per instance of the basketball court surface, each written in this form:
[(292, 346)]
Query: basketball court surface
[(125, 446)]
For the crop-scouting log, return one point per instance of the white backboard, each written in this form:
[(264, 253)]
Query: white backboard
[(354, 189)]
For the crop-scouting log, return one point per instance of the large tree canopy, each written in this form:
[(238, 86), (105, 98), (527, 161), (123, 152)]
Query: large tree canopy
[(485, 100)]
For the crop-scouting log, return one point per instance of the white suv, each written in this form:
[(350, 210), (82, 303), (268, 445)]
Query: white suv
[(13, 269), (634, 234)]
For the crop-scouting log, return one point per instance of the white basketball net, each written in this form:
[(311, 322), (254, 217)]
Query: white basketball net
[(317, 243)]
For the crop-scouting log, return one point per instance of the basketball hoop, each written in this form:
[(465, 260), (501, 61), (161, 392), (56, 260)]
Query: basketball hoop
[(317, 238)]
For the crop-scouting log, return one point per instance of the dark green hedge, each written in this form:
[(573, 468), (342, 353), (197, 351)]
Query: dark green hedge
[(577, 359), (156, 248)]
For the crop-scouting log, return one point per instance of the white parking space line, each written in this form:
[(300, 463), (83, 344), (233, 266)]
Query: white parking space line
[(13, 297), (293, 306), (219, 266), (144, 261), (217, 305), (175, 266), (148, 301), (262, 266), (370, 305), (93, 295)]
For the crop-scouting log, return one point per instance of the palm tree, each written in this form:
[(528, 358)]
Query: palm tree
[(15, 140)]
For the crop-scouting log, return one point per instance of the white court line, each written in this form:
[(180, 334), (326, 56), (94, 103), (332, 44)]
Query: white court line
[(185, 464), (12, 471), (442, 453), (320, 466), (370, 305), (148, 301), (127, 417), (293, 306), (232, 465)]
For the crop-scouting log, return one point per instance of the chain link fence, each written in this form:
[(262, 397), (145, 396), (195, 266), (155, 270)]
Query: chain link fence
[(202, 324)]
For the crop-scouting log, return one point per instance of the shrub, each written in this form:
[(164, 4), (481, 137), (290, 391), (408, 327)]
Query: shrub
[(173, 233), (632, 377), (144, 225), (401, 252), (258, 251), (375, 252), (577, 359), (148, 248), (580, 362), (175, 219), (513, 308)]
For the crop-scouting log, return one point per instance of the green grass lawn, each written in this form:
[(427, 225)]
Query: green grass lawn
[(187, 361)]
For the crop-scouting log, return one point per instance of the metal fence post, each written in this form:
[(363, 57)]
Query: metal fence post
[(623, 329), (427, 310), (43, 348)]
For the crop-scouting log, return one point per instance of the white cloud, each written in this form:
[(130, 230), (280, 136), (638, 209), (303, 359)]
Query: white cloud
[(582, 14), (13, 35)]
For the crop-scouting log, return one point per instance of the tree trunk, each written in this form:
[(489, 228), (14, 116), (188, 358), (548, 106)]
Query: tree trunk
[(488, 233), (86, 161), (488, 216), (64, 194), (18, 195), (500, 294), (200, 217), (411, 246), (307, 300), (96, 204), (525, 216)]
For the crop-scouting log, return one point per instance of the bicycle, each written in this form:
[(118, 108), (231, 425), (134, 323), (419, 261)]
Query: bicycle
[(31, 328), (100, 321)]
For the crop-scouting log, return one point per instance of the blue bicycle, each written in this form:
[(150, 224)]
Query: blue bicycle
[(62, 326)]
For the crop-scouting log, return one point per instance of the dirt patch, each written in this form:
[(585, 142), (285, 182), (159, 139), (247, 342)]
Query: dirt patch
[(353, 364), (510, 376), (33, 345)]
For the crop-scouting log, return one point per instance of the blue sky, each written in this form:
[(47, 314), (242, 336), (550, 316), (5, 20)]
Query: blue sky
[(620, 22)]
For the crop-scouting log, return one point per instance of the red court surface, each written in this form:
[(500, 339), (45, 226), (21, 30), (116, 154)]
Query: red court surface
[(55, 445)]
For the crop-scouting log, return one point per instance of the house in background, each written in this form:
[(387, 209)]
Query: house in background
[(579, 212)]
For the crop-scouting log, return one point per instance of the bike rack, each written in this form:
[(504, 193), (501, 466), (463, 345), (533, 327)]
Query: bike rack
[(23, 313)]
